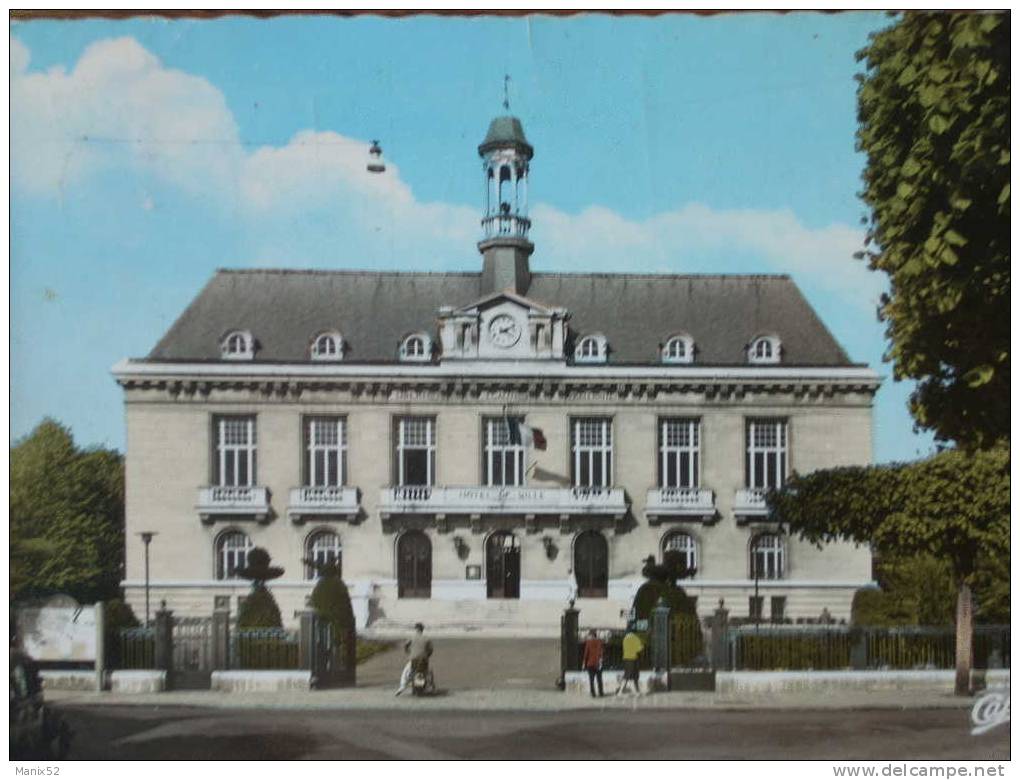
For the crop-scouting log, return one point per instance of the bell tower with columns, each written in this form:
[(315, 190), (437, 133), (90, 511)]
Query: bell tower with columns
[(506, 157)]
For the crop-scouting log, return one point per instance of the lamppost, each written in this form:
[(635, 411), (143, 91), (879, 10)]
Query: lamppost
[(146, 540)]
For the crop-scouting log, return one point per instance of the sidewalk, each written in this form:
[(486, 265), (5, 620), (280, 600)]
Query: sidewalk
[(476, 700)]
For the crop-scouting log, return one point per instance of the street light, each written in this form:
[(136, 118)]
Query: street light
[(146, 540)]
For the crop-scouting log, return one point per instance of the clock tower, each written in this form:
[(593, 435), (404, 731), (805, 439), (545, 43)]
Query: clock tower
[(505, 247)]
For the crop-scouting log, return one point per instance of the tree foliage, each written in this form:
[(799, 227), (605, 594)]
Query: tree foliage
[(953, 506), (916, 590), (67, 517), (933, 106)]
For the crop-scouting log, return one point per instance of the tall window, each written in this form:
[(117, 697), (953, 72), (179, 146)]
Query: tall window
[(416, 451), (678, 453), (592, 446), (325, 451), (683, 546), (504, 462), (322, 547), (766, 453), (234, 464), (767, 557), (232, 549)]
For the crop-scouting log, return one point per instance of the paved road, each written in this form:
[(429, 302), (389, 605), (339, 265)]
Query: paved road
[(112, 732)]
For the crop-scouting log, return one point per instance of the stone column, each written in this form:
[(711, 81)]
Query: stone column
[(100, 645)]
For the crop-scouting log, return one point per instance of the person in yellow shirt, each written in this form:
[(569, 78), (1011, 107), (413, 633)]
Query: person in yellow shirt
[(632, 647)]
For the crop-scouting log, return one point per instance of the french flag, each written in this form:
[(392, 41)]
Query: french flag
[(525, 434)]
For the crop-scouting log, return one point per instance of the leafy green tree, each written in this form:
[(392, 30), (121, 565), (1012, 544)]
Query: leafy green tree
[(67, 517), (933, 106), (953, 507), (916, 590)]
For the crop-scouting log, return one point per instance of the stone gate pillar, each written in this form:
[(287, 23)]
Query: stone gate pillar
[(719, 651), (661, 635), (221, 637), (570, 656), (164, 639)]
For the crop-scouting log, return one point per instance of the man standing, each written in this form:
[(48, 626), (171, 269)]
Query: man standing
[(418, 649), (632, 647), (591, 660)]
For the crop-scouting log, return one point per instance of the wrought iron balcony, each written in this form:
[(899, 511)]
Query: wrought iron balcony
[(323, 502), (233, 500), (750, 502), (483, 500), (505, 226), (680, 503)]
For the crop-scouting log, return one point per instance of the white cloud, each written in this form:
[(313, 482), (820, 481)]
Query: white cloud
[(117, 104), (119, 107)]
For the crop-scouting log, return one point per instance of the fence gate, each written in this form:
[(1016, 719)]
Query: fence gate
[(333, 658), (192, 658)]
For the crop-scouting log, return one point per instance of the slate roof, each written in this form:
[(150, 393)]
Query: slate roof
[(285, 309), (506, 131)]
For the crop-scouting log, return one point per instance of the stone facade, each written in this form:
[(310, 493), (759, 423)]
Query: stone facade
[(500, 354)]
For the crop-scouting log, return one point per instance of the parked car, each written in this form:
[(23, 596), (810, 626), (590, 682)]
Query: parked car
[(36, 731)]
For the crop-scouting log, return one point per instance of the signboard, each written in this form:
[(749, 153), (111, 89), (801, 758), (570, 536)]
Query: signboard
[(59, 630), (473, 572)]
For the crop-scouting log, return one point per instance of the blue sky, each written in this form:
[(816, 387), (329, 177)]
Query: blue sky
[(147, 153)]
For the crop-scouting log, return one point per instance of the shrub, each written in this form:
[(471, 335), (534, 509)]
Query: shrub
[(259, 609), (117, 615)]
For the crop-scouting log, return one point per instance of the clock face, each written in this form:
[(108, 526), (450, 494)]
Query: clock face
[(504, 330)]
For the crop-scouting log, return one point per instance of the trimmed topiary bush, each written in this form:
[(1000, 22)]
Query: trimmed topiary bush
[(331, 599), (259, 610), (117, 615)]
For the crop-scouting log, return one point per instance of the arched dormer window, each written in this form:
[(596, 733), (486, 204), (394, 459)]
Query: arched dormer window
[(328, 346), (238, 345), (591, 349), (678, 349), (416, 347), (764, 349)]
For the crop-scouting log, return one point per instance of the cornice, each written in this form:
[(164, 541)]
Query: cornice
[(495, 380)]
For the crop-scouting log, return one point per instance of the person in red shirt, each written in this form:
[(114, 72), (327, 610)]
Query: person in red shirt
[(591, 660)]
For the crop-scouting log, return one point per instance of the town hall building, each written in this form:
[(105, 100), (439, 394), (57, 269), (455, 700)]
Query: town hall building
[(476, 448)]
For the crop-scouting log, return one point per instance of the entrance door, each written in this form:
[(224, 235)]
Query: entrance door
[(591, 565), (503, 566), (414, 566)]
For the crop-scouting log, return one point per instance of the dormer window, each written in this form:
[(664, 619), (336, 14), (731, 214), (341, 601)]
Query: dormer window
[(416, 347), (678, 349), (238, 345), (591, 349), (764, 349), (328, 346)]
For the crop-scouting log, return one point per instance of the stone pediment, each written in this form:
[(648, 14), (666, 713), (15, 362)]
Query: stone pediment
[(502, 326)]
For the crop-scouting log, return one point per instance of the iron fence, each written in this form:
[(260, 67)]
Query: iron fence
[(264, 648), (136, 649), (687, 645), (797, 647)]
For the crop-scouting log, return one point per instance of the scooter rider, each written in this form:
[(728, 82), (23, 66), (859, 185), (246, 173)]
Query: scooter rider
[(418, 648)]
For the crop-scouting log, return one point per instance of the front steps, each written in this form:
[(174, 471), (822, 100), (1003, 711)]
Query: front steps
[(493, 617)]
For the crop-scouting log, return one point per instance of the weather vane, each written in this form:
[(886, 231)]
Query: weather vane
[(506, 91)]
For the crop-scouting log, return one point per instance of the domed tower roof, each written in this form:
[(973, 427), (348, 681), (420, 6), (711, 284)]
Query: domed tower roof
[(506, 131)]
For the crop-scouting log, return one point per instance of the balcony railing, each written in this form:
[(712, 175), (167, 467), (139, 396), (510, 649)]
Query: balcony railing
[(233, 500), (510, 225), (679, 502), (750, 502), (322, 501), (502, 500)]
